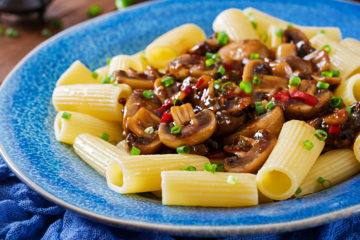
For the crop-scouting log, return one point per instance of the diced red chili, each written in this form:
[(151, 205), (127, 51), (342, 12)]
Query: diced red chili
[(334, 130), (166, 106), (122, 101), (227, 67), (187, 91), (166, 118), (309, 99), (199, 83), (282, 96)]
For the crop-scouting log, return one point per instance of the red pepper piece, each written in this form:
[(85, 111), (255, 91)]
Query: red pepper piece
[(334, 129), (216, 155), (166, 106), (227, 67), (187, 91), (243, 94), (282, 96), (166, 118), (309, 99), (199, 83)]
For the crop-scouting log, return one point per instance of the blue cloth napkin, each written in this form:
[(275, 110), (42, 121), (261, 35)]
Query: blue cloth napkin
[(24, 214)]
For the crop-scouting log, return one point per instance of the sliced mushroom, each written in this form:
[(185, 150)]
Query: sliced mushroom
[(281, 69), (297, 37), (254, 68), (226, 124), (285, 50), (319, 59), (137, 80), (272, 121), (331, 80), (146, 145), (195, 128), (209, 45), (298, 64), (250, 153), (163, 92)]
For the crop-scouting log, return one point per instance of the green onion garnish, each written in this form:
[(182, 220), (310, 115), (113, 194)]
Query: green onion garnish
[(108, 60), (105, 136), (95, 75), (46, 32), (189, 168), (250, 16), (246, 87), (222, 38), (149, 130), (175, 129), (256, 81), (336, 102), (167, 82), (259, 108), (263, 36), (336, 73), (106, 80), (322, 31), (209, 62), (322, 85), (348, 109), (94, 10), (147, 94), (290, 25), (327, 74), (308, 144), (327, 48), (298, 191), (270, 105), (66, 115), (217, 84), (135, 151), (279, 32), (321, 134), (210, 167), (254, 24), (231, 179), (221, 70), (223, 90), (220, 167), (1, 29), (58, 24), (254, 56), (12, 32), (183, 149), (294, 80), (121, 4), (176, 102), (208, 55), (216, 56), (325, 183)]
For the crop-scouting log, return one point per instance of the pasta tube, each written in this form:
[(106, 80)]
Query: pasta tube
[(349, 90), (357, 147), (172, 44), (121, 146), (351, 44), (341, 58), (291, 159), (330, 168), (133, 174), (275, 39), (235, 24), (98, 100), (68, 127), (201, 188), (77, 73), (123, 62), (332, 33), (102, 72)]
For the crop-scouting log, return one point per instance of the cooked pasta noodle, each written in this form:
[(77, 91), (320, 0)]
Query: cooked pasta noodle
[(351, 44), (123, 62), (349, 90), (77, 73), (102, 72), (357, 148)]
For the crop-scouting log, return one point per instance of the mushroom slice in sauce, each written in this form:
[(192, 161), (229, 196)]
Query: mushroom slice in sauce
[(330, 80), (319, 59), (165, 92), (285, 50), (137, 80), (250, 153), (281, 69), (209, 45), (254, 68), (298, 64), (195, 128), (297, 37)]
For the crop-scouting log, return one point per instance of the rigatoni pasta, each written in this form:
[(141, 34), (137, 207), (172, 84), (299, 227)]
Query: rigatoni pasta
[(77, 73), (356, 148), (123, 62), (349, 90), (351, 44)]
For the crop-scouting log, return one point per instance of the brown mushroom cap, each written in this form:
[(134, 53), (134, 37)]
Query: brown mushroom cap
[(319, 59), (146, 145), (250, 153), (297, 37), (298, 64), (280, 69), (209, 45), (254, 68), (285, 50), (137, 80)]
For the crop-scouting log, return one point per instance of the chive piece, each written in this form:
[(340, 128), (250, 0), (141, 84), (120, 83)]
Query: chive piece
[(264, 36), (220, 167), (279, 32), (135, 151), (209, 62), (94, 10), (254, 56), (189, 168), (105, 136), (208, 55), (336, 73), (217, 84), (210, 167), (216, 56), (106, 80), (308, 144), (327, 74), (149, 130), (246, 87), (336, 102), (183, 149), (327, 48), (175, 130), (259, 108), (121, 4), (254, 24), (66, 115), (270, 105), (46, 32), (167, 82), (290, 25), (147, 94), (108, 60), (322, 31), (231, 180), (325, 183), (58, 24), (222, 38), (12, 33), (1, 29), (221, 70), (294, 80), (256, 81), (348, 109), (322, 85), (223, 90), (178, 100), (298, 191), (95, 75), (250, 16), (321, 134)]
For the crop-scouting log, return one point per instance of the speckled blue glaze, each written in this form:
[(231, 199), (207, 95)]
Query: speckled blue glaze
[(51, 168)]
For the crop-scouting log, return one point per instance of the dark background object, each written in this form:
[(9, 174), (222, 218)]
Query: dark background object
[(24, 6)]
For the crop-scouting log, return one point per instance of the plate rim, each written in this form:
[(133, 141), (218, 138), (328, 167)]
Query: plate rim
[(203, 230)]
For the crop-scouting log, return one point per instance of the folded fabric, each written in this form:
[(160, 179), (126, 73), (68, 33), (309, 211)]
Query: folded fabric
[(24, 214)]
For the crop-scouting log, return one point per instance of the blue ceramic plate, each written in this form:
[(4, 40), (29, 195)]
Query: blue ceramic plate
[(29, 147)]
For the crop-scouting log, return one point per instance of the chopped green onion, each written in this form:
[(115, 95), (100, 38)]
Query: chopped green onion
[(1, 29), (208, 55), (336, 73), (189, 168), (217, 84), (294, 80), (58, 24), (216, 56), (322, 85), (322, 31), (223, 90), (290, 25), (105, 136), (348, 109), (209, 62), (178, 100), (264, 36), (135, 151), (254, 24), (327, 48), (308, 144), (321, 134), (167, 82), (220, 167), (222, 38), (106, 80), (298, 191), (94, 10), (279, 32), (250, 16), (66, 115), (147, 94), (210, 167), (175, 129), (149, 130), (231, 179), (221, 70), (12, 32), (256, 81), (254, 56), (46, 32), (183, 149), (325, 183), (108, 60), (95, 75), (142, 56), (246, 87), (259, 108), (270, 105), (336, 102), (121, 4), (327, 74)]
